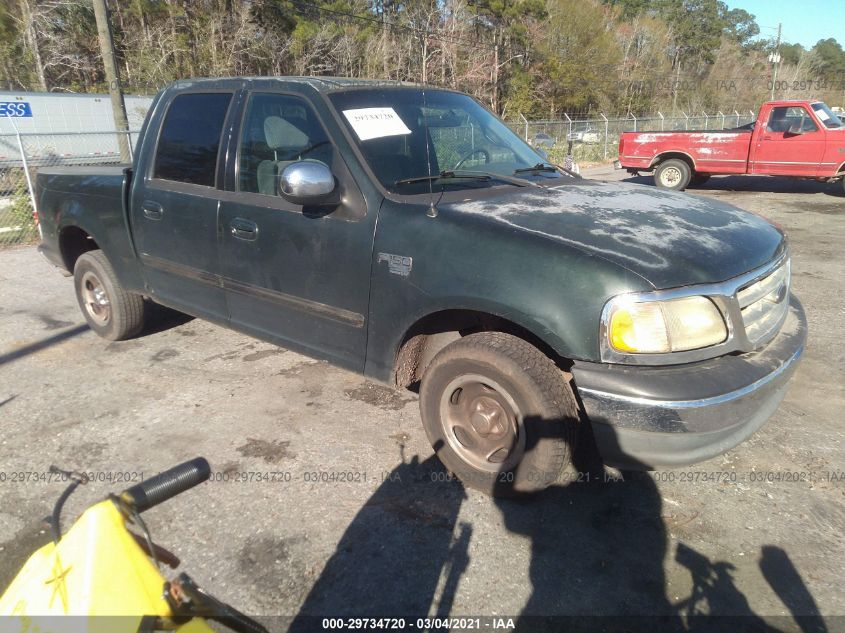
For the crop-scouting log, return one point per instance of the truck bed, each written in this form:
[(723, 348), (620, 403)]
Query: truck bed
[(724, 152), (71, 193)]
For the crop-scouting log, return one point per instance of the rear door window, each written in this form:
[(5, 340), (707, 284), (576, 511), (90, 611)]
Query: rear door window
[(190, 138)]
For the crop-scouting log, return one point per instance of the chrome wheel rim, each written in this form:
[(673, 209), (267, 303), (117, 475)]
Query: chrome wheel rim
[(670, 176), (95, 299), (482, 423)]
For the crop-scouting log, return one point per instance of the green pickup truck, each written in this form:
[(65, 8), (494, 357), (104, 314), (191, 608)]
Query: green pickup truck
[(406, 233)]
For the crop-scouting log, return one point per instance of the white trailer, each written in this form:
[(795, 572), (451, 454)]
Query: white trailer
[(63, 128)]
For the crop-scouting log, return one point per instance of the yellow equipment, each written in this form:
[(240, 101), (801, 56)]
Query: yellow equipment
[(108, 577)]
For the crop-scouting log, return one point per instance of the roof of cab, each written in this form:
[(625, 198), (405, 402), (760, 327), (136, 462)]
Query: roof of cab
[(321, 84)]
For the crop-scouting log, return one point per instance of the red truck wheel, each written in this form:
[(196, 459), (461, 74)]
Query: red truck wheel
[(673, 174)]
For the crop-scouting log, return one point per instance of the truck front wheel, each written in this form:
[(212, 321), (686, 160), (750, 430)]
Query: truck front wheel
[(111, 311), (499, 413), (673, 174)]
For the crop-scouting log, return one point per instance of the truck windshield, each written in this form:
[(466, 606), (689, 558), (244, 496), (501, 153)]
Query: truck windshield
[(410, 136), (826, 115)]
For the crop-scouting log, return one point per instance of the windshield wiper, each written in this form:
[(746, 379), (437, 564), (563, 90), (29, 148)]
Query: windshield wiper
[(467, 175), (537, 167), (546, 167), (443, 175)]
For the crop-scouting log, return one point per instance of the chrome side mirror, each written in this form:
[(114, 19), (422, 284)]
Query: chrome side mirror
[(308, 182)]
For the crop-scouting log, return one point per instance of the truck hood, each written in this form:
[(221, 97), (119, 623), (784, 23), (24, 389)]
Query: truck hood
[(670, 239)]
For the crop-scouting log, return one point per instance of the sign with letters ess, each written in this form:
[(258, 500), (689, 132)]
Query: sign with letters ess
[(16, 109)]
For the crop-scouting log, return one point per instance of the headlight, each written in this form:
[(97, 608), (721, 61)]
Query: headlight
[(673, 325)]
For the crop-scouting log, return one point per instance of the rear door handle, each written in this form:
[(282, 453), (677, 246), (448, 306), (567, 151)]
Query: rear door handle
[(243, 229), (152, 210)]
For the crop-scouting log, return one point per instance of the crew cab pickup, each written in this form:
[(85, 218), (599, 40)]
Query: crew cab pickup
[(405, 233), (789, 138)]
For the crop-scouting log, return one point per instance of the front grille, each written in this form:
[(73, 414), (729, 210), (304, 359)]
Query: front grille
[(764, 304)]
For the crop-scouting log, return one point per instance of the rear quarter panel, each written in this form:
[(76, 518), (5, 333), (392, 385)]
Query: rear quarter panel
[(710, 152), (90, 198)]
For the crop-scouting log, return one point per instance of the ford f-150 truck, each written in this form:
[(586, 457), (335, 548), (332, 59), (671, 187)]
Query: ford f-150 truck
[(789, 138), (406, 233)]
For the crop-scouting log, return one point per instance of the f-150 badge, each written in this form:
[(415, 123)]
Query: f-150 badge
[(396, 264)]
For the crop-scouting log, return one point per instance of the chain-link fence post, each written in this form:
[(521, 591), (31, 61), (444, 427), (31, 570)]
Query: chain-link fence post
[(662, 118), (27, 175), (522, 116), (568, 120), (605, 134)]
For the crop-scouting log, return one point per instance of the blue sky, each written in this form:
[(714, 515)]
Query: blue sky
[(804, 22)]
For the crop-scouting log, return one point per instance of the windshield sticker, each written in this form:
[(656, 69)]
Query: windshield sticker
[(371, 123), (822, 115)]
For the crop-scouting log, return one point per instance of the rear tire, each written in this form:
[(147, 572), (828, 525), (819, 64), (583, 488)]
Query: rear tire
[(110, 311), (499, 414), (673, 174)]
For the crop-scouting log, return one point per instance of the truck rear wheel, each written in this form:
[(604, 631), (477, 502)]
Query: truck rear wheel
[(499, 414), (111, 311), (673, 174)]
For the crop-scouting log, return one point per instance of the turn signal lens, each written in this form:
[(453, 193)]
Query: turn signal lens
[(675, 325), (639, 328)]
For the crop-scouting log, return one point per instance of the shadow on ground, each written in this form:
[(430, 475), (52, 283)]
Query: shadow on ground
[(761, 184), (597, 548), (157, 318)]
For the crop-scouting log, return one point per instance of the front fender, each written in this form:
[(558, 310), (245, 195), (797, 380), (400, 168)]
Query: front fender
[(461, 262)]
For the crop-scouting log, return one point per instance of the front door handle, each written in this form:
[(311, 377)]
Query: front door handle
[(244, 229), (152, 210)]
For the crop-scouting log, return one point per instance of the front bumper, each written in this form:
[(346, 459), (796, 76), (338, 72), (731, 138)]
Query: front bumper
[(651, 417)]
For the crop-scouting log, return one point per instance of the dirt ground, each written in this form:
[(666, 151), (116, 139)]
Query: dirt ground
[(326, 499)]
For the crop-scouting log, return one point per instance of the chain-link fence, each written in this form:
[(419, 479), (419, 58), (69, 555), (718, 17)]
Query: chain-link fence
[(22, 155), (585, 139), (597, 139)]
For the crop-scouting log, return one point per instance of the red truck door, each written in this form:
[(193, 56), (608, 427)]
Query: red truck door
[(789, 143)]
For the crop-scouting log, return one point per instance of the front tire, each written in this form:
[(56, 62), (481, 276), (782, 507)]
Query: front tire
[(673, 174), (499, 414), (110, 311)]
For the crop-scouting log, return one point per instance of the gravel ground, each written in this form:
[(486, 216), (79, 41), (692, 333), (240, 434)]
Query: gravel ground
[(361, 519)]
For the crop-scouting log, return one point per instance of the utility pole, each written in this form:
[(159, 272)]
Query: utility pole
[(495, 77), (101, 13), (775, 59)]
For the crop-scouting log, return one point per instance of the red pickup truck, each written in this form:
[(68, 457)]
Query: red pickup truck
[(789, 138)]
